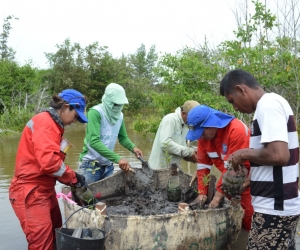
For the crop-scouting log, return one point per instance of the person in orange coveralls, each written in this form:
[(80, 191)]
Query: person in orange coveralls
[(39, 164), (218, 135)]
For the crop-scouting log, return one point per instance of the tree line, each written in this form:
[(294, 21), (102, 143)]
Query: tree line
[(265, 44)]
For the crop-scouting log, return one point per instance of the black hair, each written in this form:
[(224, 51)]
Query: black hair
[(57, 102), (236, 77)]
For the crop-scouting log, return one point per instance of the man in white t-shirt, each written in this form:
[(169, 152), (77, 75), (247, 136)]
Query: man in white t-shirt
[(274, 156)]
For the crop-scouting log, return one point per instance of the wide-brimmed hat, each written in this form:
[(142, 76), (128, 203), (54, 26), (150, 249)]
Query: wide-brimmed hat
[(201, 117), (75, 99)]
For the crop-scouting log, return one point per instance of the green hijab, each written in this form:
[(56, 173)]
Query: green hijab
[(113, 102)]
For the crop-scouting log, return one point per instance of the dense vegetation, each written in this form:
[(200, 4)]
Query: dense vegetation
[(265, 45)]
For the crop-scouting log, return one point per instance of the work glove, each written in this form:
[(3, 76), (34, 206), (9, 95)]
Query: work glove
[(80, 181)]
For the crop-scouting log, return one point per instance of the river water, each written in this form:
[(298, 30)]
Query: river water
[(11, 234)]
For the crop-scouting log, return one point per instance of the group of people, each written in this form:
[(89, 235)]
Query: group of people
[(40, 158), (269, 149)]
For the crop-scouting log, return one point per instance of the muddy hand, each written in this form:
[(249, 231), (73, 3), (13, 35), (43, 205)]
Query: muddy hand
[(137, 152), (124, 165), (236, 159), (216, 200), (213, 204), (200, 199), (194, 157), (231, 164)]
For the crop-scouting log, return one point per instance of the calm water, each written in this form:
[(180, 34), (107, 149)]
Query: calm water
[(11, 234), (10, 229)]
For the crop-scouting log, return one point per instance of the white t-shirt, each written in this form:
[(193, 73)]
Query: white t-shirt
[(274, 189)]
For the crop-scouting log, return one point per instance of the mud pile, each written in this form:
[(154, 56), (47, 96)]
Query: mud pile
[(143, 218), (149, 201), (146, 202), (232, 180)]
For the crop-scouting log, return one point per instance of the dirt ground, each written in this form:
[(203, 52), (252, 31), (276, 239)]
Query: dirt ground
[(146, 202)]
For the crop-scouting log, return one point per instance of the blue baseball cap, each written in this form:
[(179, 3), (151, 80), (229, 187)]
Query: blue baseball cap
[(201, 117), (76, 99)]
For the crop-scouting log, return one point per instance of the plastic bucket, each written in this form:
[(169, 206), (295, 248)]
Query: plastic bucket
[(95, 241), (65, 241)]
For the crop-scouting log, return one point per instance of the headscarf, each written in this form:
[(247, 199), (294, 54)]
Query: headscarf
[(113, 102)]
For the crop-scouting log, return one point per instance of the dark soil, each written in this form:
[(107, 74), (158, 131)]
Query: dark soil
[(142, 203), (232, 181), (151, 201), (147, 202)]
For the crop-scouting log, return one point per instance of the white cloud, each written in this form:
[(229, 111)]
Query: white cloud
[(122, 25)]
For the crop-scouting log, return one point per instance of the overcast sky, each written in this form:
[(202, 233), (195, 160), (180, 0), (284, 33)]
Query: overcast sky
[(122, 25)]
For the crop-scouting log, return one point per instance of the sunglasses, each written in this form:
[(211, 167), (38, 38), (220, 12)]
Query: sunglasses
[(192, 127)]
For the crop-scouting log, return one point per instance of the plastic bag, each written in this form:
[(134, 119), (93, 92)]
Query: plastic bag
[(232, 181), (174, 189)]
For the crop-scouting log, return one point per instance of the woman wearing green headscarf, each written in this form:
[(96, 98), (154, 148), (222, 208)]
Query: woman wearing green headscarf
[(105, 126)]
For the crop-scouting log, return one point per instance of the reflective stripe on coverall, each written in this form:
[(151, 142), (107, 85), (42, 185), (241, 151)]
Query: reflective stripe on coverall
[(234, 136), (32, 194)]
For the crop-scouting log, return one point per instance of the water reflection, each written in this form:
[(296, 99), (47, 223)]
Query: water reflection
[(10, 228)]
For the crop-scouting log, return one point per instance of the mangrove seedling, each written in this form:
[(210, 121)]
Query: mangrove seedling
[(166, 153)]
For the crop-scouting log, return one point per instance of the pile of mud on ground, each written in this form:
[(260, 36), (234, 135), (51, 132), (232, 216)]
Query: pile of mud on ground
[(150, 201), (141, 203)]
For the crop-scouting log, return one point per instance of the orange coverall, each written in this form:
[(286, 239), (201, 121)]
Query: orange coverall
[(234, 136), (39, 163)]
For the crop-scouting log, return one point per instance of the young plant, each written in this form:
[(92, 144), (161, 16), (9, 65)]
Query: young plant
[(166, 153), (206, 179)]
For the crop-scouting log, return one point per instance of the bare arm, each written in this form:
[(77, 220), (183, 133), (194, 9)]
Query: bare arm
[(216, 200), (275, 153)]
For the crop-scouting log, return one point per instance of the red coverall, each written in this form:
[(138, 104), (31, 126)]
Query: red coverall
[(39, 163), (234, 136)]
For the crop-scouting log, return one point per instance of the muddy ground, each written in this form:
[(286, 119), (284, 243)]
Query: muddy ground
[(146, 202), (150, 201)]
